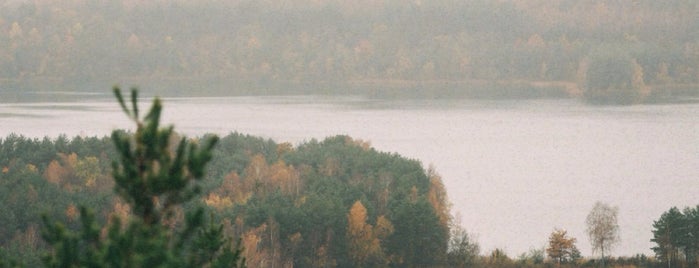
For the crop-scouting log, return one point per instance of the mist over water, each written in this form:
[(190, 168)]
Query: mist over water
[(514, 170)]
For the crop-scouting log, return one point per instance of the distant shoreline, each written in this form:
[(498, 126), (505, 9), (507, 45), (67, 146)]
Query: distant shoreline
[(16, 89)]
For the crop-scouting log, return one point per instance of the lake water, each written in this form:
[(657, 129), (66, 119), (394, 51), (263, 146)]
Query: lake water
[(514, 170)]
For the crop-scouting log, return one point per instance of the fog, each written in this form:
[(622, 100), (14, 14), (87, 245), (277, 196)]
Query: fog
[(418, 49), (586, 61)]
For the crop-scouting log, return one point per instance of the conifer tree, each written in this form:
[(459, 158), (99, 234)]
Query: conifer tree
[(154, 181)]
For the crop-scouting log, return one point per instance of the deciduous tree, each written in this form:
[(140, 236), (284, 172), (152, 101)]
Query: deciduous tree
[(602, 228), (364, 245), (562, 247), (463, 250)]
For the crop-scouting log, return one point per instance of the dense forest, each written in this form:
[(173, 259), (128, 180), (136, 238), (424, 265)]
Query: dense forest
[(335, 202), (441, 48), (331, 203)]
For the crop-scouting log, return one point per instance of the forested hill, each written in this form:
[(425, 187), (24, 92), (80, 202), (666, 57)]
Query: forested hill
[(329, 203), (347, 47)]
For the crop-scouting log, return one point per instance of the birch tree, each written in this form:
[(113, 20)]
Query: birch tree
[(602, 228)]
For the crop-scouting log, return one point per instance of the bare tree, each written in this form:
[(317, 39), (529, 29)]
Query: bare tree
[(602, 228)]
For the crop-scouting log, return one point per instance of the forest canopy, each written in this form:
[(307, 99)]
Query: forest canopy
[(441, 48), (315, 204)]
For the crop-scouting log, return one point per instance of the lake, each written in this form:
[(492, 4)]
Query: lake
[(514, 170)]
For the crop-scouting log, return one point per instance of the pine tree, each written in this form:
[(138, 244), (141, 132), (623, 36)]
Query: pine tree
[(154, 181)]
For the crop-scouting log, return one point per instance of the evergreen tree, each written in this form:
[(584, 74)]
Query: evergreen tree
[(669, 233), (155, 182)]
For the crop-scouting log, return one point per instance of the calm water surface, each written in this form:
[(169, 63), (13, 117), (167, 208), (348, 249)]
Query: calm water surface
[(513, 170)]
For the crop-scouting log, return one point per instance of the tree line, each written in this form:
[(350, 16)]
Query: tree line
[(441, 48)]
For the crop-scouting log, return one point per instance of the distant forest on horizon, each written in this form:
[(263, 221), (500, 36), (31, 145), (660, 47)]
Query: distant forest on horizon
[(340, 47)]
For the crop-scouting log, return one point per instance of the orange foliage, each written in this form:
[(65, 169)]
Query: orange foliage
[(218, 202), (437, 196), (71, 212), (55, 172), (234, 189), (383, 228), (364, 240), (262, 246), (71, 173), (262, 178), (121, 210)]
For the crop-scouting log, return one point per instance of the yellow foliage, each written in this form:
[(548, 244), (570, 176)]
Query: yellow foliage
[(437, 196), (234, 189), (32, 168), (363, 241), (218, 202), (254, 252), (256, 168), (262, 246), (300, 201), (87, 171), (356, 219), (261, 178), (383, 228)]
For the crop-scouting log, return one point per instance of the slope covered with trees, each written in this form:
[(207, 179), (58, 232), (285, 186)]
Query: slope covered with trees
[(440, 48), (335, 202)]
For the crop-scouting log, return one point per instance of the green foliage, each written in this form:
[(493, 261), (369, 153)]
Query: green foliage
[(612, 78), (532, 258), (674, 234), (154, 181), (463, 250), (419, 240)]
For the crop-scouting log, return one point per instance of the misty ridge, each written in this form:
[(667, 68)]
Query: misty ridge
[(423, 49)]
